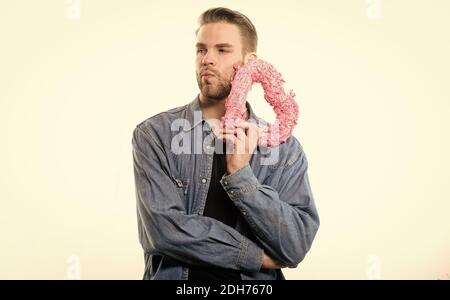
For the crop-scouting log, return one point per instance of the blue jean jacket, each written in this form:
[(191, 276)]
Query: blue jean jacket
[(173, 155)]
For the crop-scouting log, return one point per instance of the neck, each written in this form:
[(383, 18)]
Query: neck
[(215, 109), (212, 108)]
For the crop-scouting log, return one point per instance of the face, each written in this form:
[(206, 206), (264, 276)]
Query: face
[(218, 48)]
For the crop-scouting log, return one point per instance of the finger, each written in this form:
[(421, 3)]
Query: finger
[(230, 142), (242, 124), (242, 141), (217, 131), (247, 126), (229, 138), (229, 130), (277, 266), (252, 133), (280, 266), (240, 134)]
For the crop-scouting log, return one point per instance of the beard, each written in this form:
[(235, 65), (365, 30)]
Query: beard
[(215, 87)]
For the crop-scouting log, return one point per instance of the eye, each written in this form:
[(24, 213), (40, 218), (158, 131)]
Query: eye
[(222, 51), (200, 50)]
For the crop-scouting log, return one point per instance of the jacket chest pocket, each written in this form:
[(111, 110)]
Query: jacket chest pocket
[(181, 185)]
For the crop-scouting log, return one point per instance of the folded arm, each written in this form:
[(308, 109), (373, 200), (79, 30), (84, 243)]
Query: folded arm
[(169, 230), (283, 218)]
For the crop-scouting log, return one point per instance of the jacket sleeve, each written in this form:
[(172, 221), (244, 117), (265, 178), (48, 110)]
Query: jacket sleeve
[(283, 218), (168, 230)]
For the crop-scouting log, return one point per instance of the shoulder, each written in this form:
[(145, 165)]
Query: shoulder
[(158, 126), (162, 119), (285, 154), (293, 149)]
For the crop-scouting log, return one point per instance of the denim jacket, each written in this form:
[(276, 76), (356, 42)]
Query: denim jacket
[(173, 155)]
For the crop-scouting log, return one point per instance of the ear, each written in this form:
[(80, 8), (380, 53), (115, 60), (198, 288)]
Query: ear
[(250, 56)]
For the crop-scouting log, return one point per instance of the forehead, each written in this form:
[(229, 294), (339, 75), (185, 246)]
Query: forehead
[(219, 33)]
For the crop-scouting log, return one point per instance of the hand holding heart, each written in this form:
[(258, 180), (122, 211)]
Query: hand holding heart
[(241, 140)]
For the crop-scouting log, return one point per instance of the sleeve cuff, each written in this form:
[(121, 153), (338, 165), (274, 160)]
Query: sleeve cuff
[(250, 257), (240, 183)]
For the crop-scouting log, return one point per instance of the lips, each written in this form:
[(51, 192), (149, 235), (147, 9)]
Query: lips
[(207, 74)]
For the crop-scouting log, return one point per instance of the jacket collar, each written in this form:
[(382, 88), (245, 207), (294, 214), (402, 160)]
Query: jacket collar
[(194, 114)]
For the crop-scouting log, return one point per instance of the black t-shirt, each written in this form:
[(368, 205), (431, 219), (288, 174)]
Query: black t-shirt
[(218, 206)]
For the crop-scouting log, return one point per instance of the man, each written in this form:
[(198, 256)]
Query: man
[(206, 214)]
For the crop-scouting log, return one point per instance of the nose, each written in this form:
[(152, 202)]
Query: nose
[(208, 59)]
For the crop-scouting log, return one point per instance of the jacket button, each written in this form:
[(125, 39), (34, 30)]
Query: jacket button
[(204, 180), (225, 182)]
